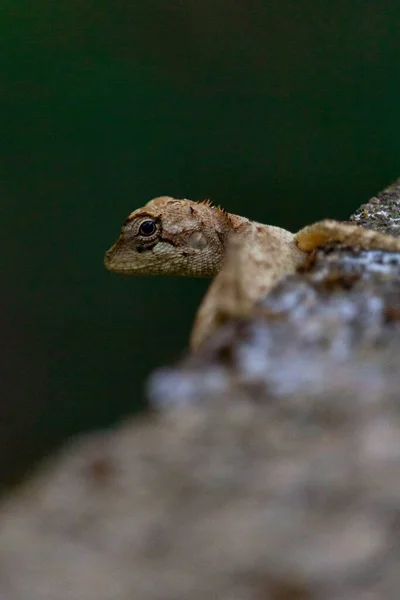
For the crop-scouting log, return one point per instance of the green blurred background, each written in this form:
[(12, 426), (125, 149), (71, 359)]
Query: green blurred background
[(283, 111)]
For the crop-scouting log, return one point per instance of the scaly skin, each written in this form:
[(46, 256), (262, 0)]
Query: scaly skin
[(196, 239)]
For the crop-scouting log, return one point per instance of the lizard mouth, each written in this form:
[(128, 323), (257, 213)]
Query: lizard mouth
[(111, 263), (117, 267), (117, 263)]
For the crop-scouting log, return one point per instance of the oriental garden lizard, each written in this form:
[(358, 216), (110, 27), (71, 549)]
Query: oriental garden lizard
[(182, 237)]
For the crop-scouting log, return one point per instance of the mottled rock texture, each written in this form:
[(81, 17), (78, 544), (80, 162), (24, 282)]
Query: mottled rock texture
[(270, 469)]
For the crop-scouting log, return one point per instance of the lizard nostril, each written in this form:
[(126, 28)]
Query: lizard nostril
[(108, 255)]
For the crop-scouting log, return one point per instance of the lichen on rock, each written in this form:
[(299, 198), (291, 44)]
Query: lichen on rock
[(269, 470)]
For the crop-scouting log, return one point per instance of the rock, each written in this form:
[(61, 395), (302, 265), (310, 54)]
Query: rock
[(269, 470)]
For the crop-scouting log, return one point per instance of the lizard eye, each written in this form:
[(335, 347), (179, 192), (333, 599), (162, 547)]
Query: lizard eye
[(147, 228)]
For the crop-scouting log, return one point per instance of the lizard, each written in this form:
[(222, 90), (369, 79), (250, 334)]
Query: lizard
[(169, 236)]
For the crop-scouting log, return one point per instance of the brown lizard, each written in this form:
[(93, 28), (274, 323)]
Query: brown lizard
[(182, 237)]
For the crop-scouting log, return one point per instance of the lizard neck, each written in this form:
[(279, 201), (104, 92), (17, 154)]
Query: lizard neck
[(238, 224), (242, 225), (266, 240)]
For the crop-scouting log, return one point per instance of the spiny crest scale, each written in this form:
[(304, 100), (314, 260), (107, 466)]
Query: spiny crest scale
[(209, 203)]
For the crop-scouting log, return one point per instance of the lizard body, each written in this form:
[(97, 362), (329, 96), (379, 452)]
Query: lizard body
[(182, 237)]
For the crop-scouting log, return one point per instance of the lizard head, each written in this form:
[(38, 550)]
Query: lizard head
[(171, 237)]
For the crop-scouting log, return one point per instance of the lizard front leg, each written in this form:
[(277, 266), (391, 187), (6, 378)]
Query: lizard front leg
[(254, 262), (324, 232)]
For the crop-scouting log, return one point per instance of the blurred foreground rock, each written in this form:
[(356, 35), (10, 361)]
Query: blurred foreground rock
[(270, 471)]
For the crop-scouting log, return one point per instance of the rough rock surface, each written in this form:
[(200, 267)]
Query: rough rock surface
[(270, 470)]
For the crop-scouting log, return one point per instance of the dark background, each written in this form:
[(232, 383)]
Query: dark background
[(283, 111)]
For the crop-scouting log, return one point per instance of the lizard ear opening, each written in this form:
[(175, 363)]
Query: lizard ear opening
[(197, 240)]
